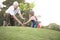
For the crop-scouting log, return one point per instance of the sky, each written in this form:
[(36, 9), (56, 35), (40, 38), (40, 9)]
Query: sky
[(49, 10), (2, 1)]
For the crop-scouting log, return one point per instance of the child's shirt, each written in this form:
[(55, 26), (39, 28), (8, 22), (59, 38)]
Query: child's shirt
[(34, 21), (33, 18)]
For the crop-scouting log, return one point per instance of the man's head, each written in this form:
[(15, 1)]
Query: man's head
[(15, 4)]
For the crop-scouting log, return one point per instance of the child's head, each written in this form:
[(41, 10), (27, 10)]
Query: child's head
[(31, 13)]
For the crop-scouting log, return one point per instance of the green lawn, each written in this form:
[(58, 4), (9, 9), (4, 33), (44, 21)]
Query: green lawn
[(25, 33)]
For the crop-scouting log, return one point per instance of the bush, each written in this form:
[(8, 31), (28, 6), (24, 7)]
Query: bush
[(53, 26)]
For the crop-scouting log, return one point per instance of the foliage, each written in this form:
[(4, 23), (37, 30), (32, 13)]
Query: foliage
[(54, 26), (31, 5), (26, 6)]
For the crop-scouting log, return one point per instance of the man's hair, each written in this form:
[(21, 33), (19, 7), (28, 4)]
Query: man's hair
[(15, 3)]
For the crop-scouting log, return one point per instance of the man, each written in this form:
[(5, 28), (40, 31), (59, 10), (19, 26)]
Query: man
[(11, 12)]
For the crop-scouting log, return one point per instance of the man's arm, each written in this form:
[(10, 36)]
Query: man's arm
[(21, 16), (19, 12), (17, 19)]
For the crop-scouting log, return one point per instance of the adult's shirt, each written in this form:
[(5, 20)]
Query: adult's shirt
[(11, 10)]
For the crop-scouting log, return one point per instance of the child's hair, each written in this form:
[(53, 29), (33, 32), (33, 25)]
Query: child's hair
[(31, 13)]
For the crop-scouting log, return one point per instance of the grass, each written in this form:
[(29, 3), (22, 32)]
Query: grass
[(25, 33)]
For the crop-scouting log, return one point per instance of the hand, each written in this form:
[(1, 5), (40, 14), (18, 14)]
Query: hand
[(21, 23), (24, 23), (23, 18)]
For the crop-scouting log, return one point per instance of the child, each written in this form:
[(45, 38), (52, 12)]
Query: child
[(32, 19)]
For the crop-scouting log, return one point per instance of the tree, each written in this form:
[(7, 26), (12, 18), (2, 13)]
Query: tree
[(54, 26), (25, 8)]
